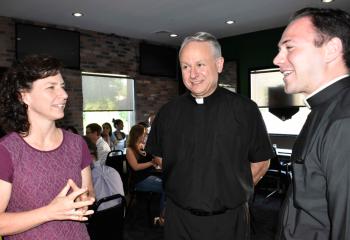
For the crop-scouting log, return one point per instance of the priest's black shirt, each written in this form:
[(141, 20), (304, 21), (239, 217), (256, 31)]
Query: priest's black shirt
[(318, 203), (207, 149)]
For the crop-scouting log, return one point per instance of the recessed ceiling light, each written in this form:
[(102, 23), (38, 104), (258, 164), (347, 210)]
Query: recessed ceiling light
[(327, 1), (229, 22), (173, 35), (77, 14)]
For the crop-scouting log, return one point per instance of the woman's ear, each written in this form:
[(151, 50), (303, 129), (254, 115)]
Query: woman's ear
[(23, 96)]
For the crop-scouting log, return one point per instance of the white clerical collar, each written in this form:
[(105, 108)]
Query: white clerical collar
[(323, 87), (199, 100)]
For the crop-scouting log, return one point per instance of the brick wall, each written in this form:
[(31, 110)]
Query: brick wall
[(100, 53), (7, 42)]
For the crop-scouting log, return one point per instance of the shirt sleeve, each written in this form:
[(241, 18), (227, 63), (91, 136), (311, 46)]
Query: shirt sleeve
[(335, 152), (6, 166), (153, 145), (86, 157), (260, 147), (102, 151)]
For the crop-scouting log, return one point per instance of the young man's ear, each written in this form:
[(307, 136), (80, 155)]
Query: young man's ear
[(334, 50)]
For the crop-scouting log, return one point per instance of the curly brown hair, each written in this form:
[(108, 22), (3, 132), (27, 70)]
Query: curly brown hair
[(13, 111)]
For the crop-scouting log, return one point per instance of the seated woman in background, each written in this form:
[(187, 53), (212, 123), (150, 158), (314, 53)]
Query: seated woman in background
[(41, 165), (142, 165), (107, 134), (120, 137)]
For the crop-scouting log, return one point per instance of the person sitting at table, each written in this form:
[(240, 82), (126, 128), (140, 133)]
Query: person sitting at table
[(143, 166), (93, 132), (146, 126), (106, 180), (107, 134)]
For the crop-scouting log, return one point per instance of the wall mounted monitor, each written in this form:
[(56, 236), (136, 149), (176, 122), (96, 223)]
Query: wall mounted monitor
[(283, 113), (158, 60), (61, 44)]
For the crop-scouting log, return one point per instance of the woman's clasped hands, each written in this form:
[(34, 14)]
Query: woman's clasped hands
[(70, 206)]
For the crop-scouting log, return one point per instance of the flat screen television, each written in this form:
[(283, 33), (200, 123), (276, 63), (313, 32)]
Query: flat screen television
[(61, 44), (158, 60), (267, 90)]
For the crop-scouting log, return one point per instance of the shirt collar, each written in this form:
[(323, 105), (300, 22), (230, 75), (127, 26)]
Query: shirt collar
[(206, 99), (99, 140), (321, 88)]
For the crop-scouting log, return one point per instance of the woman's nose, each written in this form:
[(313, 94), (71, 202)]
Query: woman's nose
[(63, 93)]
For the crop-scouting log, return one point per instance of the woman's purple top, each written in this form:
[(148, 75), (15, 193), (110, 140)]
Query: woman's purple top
[(38, 176)]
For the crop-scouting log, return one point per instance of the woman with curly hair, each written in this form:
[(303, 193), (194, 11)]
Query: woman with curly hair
[(41, 165)]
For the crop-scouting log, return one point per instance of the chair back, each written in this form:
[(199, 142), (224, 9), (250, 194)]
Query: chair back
[(117, 160), (107, 223)]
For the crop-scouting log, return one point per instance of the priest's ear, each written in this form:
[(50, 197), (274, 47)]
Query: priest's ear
[(219, 64)]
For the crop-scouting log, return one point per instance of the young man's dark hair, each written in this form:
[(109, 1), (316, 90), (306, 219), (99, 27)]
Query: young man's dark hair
[(329, 23)]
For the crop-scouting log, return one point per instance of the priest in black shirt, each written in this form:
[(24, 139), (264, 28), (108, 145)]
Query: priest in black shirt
[(314, 58), (214, 147)]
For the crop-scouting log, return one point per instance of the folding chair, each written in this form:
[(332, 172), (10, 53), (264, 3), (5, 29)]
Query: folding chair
[(107, 223)]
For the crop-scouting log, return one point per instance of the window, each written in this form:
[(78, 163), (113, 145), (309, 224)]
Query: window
[(282, 113), (107, 96)]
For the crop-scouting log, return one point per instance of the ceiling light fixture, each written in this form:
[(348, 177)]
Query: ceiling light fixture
[(229, 22), (327, 1), (77, 14), (173, 35)]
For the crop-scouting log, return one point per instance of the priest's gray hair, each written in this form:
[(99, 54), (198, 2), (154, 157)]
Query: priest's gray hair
[(203, 37)]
